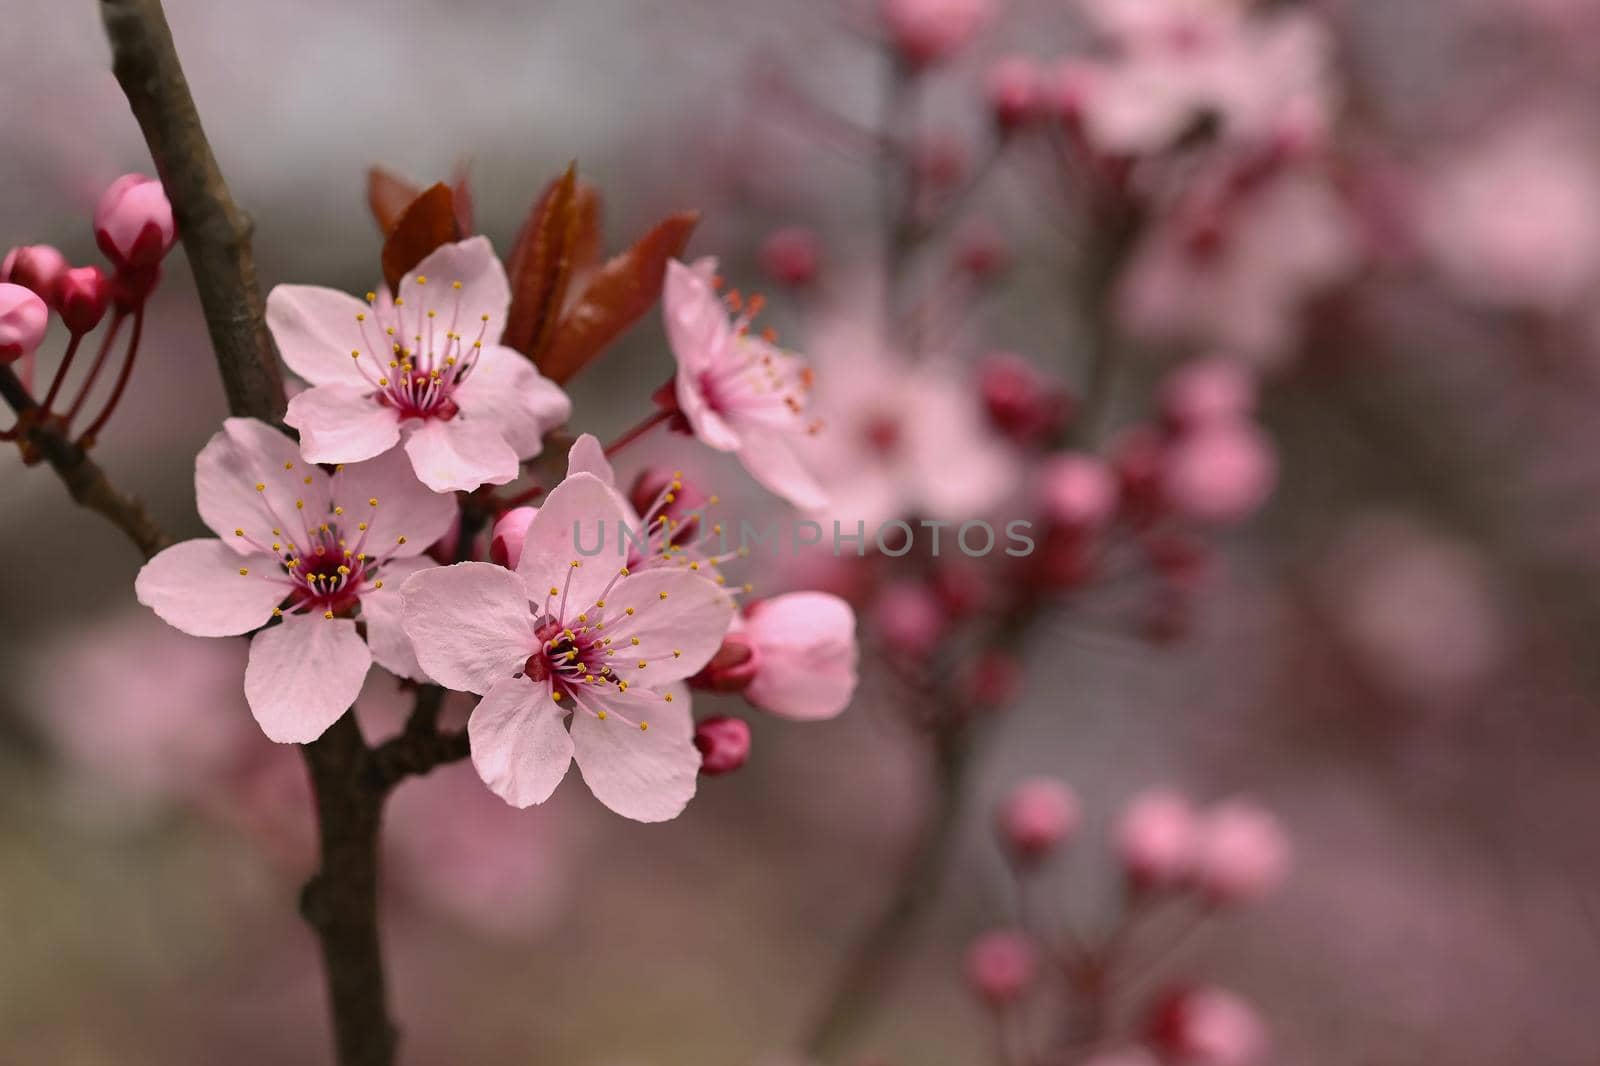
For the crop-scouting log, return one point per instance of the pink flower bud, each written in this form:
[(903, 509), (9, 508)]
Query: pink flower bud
[(510, 529), (661, 491), (1156, 839), (1243, 853), (23, 321), (732, 668), (1038, 816), (991, 682), (34, 266), (942, 160), (82, 296), (1207, 1027), (1068, 90), (927, 31), (133, 223), (792, 256), (724, 744), (1208, 391), (1139, 456), (1077, 492), (1015, 92), (1221, 473), (963, 587), (1021, 402), (1001, 965), (909, 618)]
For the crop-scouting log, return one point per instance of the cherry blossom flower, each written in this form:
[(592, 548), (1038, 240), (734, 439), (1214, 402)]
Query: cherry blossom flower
[(1001, 966), (563, 636), (424, 368), (903, 438), (740, 393), (323, 553)]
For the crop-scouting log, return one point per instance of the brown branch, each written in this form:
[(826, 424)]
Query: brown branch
[(82, 475), (215, 232)]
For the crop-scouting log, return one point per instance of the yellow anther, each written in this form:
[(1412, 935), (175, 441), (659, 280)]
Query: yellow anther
[(624, 571), (576, 563), (362, 526), (421, 280), (583, 618), (261, 487), (622, 686), (556, 696), (384, 382), (338, 510), (308, 479), (634, 641), (355, 353), (277, 547), (328, 615), (554, 591), (372, 502), (600, 603), (455, 284), (431, 314), (600, 715), (371, 296), (400, 540), (642, 664), (663, 595), (627, 610), (344, 569), (299, 505), (238, 532), (399, 301), (677, 654), (485, 318), (244, 571), (694, 566), (277, 612), (644, 726), (377, 584)]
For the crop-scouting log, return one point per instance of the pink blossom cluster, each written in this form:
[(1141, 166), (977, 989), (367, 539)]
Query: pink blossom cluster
[(327, 548), (1179, 867)]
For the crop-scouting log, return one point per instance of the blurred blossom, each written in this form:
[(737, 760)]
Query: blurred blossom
[(1037, 816), (1544, 253), (1420, 610), (1208, 1027), (900, 438), (927, 31), (1123, 1057), (34, 266), (1076, 492), (1242, 853), (792, 255), (1208, 391), (24, 318), (452, 845), (1241, 281), (1001, 966), (908, 618), (1157, 837), (148, 744), (1220, 473)]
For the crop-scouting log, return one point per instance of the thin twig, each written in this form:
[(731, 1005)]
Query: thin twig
[(82, 475)]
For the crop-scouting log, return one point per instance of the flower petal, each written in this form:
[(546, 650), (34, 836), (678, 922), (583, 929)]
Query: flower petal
[(406, 507), (316, 330), (469, 624), (648, 775), (205, 589), (342, 424), (806, 654), (505, 389), (381, 610), (679, 619), (484, 288), (246, 454), (303, 675), (520, 744), (461, 454), (587, 456), (583, 512), (696, 320), (771, 459)]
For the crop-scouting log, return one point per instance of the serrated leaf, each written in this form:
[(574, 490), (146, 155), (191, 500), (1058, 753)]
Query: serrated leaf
[(428, 223), (626, 287)]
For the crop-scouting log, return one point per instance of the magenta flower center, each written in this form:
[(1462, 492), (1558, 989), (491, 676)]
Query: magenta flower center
[(414, 353)]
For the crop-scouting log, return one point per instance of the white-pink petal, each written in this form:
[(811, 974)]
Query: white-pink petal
[(771, 458), (382, 612), (342, 423), (303, 675), (588, 456), (581, 508), (205, 589), (316, 329), (406, 507), (469, 624), (504, 389), (460, 454), (520, 744), (679, 619), (646, 774), (484, 288), (249, 476)]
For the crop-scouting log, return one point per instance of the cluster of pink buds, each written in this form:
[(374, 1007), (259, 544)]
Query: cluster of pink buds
[(1179, 865), (134, 228)]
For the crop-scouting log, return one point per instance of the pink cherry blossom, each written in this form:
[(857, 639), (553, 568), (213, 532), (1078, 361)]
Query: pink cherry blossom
[(324, 553), (563, 636), (1207, 391), (34, 266), (424, 368), (902, 438), (24, 318), (1157, 837), (804, 649), (133, 222), (739, 393), (1077, 492), (724, 744), (1221, 473), (1209, 1027), (1243, 853)]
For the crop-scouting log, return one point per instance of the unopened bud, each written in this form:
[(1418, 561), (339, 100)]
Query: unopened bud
[(1207, 392), (981, 251), (1077, 492), (510, 530), (1022, 403), (1001, 967), (661, 491), (133, 223), (927, 31), (82, 296), (792, 256), (1221, 473), (1156, 839), (732, 668), (724, 744), (909, 618), (23, 321), (1015, 92), (1038, 816), (1243, 853), (34, 266), (1207, 1027)]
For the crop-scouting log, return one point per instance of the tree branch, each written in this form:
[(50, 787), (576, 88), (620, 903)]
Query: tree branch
[(82, 475), (215, 232)]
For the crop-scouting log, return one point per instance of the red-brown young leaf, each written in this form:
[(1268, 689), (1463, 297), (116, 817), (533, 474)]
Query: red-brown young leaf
[(540, 266), (388, 195), (427, 224), (465, 203), (586, 250), (624, 289)]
